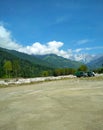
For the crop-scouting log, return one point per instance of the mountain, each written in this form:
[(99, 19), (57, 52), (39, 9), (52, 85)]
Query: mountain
[(22, 64), (26, 57), (84, 58), (50, 60), (97, 62), (58, 61)]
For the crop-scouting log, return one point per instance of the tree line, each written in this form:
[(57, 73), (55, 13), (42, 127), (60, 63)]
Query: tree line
[(16, 68), (20, 68)]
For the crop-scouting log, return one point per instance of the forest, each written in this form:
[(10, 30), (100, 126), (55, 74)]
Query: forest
[(20, 68), (13, 66)]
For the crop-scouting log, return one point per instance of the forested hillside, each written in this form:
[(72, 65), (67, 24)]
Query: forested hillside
[(14, 66), (59, 62), (17, 64), (27, 57)]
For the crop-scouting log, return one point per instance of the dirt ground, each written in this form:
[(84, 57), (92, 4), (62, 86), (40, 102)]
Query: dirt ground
[(70, 104)]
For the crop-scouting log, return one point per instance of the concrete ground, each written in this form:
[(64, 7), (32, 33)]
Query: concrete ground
[(70, 104)]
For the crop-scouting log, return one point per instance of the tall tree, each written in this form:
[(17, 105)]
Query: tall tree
[(16, 67), (8, 67)]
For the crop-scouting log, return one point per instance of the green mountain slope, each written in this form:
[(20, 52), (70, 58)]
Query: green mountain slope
[(27, 57), (50, 60), (59, 62), (26, 67)]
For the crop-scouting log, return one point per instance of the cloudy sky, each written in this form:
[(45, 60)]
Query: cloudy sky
[(62, 27)]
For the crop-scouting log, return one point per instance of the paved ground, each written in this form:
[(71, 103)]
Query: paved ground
[(73, 104)]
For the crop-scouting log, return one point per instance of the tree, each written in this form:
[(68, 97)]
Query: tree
[(2, 72), (71, 71), (83, 68), (8, 67), (57, 72), (16, 67), (45, 73)]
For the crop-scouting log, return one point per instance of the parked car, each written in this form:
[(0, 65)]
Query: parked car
[(90, 73), (81, 74)]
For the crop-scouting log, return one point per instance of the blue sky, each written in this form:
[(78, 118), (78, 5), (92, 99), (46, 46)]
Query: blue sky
[(72, 26)]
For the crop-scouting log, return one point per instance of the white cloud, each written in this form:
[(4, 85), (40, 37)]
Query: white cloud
[(95, 48), (52, 47), (59, 20), (40, 49), (83, 41), (78, 50), (55, 44), (6, 39)]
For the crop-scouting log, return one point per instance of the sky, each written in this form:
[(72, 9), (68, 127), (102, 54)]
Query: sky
[(68, 28)]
